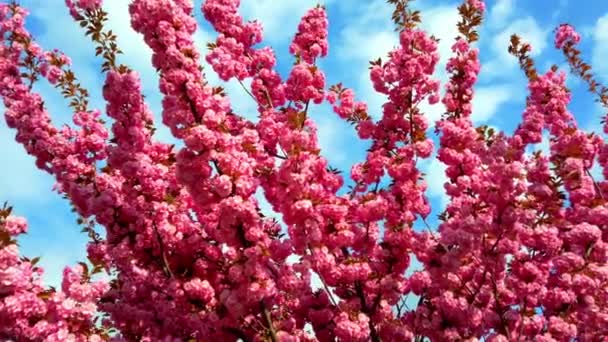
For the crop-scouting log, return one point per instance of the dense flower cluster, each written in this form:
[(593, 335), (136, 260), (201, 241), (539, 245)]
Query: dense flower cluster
[(311, 40), (566, 34), (520, 253), (76, 8), (28, 311)]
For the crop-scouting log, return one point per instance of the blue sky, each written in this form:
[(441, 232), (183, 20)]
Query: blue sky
[(359, 31)]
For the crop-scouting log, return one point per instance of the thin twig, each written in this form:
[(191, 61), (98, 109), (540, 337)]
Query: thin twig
[(428, 227), (247, 90), (166, 267), (597, 186), (278, 156), (331, 296), (268, 319), (268, 98), (373, 332)]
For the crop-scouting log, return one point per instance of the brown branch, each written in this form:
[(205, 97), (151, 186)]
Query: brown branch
[(373, 332), (166, 267), (331, 296), (522, 51), (499, 309), (268, 319), (268, 98), (583, 71), (247, 91), (597, 187)]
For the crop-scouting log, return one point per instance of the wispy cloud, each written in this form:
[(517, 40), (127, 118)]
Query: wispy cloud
[(280, 18), (369, 37), (501, 63), (20, 181), (600, 47), (501, 12), (435, 179), (487, 102)]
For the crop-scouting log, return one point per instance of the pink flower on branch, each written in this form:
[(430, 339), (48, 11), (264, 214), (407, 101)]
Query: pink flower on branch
[(566, 35), (519, 252)]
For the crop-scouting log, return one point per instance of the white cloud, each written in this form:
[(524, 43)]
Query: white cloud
[(529, 31), (137, 55), (432, 112), (377, 44), (375, 30), (435, 178), (544, 146), (600, 47), (370, 36), (21, 181), (367, 38), (279, 18), (487, 102), (332, 135), (501, 12), (441, 22)]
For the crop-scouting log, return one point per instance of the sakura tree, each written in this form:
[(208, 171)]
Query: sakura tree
[(520, 253)]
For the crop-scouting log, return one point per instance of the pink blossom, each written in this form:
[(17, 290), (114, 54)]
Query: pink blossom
[(478, 4), (311, 40), (15, 225), (566, 34), (243, 230)]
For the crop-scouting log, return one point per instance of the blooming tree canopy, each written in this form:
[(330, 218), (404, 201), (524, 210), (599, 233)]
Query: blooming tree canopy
[(520, 252)]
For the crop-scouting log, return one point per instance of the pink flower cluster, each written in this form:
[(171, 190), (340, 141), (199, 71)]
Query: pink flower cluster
[(305, 83), (520, 252), (566, 35), (28, 312), (52, 66), (232, 53), (344, 104), (311, 40), (480, 5), (77, 8)]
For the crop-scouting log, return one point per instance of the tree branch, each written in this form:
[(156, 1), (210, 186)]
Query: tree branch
[(372, 328), (166, 267), (268, 319)]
